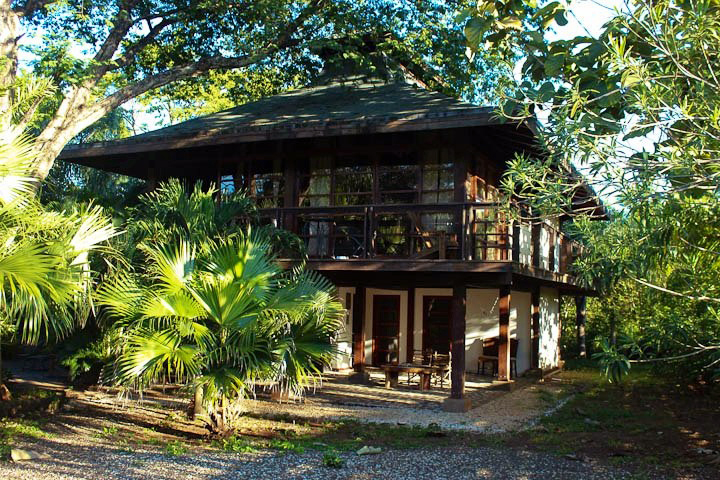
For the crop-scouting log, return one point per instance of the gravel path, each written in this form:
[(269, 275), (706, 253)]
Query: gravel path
[(502, 412), (88, 462)]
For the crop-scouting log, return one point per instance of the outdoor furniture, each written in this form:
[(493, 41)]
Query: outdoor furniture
[(419, 357), (392, 374), (442, 362), (490, 354)]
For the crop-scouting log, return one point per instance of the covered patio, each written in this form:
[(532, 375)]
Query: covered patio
[(494, 408)]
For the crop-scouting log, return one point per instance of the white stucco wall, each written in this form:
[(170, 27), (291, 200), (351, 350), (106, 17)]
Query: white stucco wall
[(544, 248), (344, 336), (482, 321), (520, 327), (549, 328), (369, 294)]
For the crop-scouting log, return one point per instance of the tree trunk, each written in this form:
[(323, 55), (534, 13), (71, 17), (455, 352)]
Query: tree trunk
[(613, 329), (9, 36), (580, 319), (198, 407)]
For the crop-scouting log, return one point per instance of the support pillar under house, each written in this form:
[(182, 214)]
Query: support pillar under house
[(504, 337), (535, 328), (358, 334), (458, 402)]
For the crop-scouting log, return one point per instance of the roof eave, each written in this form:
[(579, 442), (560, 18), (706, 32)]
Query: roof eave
[(479, 117)]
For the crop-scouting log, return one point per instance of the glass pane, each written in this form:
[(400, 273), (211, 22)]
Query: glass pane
[(393, 232), (353, 185), (268, 189), (227, 184), (398, 184)]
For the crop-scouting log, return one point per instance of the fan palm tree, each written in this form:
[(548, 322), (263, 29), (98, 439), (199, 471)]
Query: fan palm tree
[(45, 274), (171, 212), (222, 316)]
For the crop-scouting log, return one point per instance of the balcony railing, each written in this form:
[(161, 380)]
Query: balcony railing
[(459, 231)]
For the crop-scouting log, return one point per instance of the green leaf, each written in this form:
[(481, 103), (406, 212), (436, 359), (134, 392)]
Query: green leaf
[(474, 31), (554, 64)]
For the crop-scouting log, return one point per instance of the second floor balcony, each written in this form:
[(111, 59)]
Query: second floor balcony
[(454, 233)]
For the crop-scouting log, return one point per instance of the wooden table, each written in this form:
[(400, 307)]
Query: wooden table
[(392, 373)]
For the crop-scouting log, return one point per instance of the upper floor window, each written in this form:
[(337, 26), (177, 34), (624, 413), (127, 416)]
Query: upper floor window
[(267, 188), (353, 185)]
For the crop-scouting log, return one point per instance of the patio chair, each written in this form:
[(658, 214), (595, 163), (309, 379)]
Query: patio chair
[(442, 360), (490, 354), (419, 357)]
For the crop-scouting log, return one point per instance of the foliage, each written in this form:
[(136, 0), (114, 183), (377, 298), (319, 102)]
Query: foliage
[(69, 184), (613, 364), (176, 448), (214, 310), (637, 110), (169, 213), (333, 460), (46, 277), (100, 55), (234, 444)]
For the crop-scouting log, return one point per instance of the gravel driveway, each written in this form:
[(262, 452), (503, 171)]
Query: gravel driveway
[(90, 462)]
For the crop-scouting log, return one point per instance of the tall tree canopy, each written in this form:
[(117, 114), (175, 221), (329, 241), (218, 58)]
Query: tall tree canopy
[(638, 109), (103, 53)]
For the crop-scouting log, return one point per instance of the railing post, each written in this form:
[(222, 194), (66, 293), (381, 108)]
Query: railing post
[(551, 251), (516, 242), (535, 232), (371, 231), (365, 233), (463, 232)]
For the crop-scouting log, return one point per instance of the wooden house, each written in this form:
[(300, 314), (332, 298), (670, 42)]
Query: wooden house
[(394, 189)]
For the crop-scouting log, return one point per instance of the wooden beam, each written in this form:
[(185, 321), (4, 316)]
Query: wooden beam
[(358, 327), (457, 338), (581, 318), (504, 340), (535, 327)]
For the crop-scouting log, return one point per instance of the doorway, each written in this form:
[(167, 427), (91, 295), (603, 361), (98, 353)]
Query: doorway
[(436, 323), (386, 329)]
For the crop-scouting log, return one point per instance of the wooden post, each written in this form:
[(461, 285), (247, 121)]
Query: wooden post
[(457, 402), (551, 251), (535, 327), (536, 244), (457, 332), (358, 327), (516, 242), (410, 324), (504, 340), (581, 317)]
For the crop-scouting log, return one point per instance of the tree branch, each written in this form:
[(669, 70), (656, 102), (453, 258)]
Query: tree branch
[(701, 298), (32, 6), (135, 48)]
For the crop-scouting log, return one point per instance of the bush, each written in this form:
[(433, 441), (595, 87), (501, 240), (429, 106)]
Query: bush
[(333, 460)]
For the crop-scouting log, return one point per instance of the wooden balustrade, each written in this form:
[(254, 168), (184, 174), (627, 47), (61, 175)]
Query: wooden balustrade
[(455, 231)]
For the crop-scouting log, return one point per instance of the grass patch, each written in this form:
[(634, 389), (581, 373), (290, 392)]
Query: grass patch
[(646, 423), (175, 448), (11, 429), (234, 444), (107, 432)]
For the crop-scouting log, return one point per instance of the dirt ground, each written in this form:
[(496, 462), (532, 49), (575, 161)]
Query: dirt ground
[(646, 426)]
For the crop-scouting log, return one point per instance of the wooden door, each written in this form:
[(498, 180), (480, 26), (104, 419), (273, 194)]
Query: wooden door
[(436, 323), (386, 329)]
